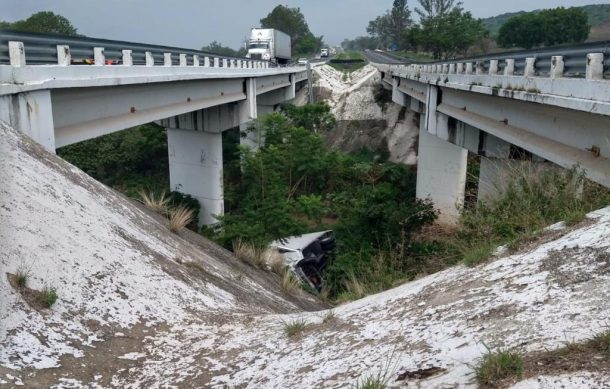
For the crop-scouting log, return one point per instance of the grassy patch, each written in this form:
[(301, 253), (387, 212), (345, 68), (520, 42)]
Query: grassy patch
[(294, 328), (601, 342), (373, 382), (47, 297), (22, 276), (498, 366), (530, 197), (290, 283)]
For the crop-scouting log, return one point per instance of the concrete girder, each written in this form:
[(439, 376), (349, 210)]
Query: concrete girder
[(32, 114), (85, 113)]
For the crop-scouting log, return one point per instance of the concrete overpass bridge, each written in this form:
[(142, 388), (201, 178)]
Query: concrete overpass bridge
[(118, 85), (552, 105)]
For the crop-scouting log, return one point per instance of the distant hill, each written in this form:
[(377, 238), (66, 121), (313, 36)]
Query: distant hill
[(599, 19)]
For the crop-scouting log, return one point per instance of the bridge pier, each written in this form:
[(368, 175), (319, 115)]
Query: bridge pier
[(195, 168), (441, 174)]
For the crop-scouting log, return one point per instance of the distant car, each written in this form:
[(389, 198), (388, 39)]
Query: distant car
[(302, 61)]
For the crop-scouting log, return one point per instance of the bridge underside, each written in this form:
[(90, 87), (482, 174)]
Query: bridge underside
[(492, 122)]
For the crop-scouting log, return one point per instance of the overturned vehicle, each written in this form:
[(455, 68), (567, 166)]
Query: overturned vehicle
[(308, 255)]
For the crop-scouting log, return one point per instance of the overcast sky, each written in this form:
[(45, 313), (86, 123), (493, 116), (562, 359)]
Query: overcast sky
[(195, 23)]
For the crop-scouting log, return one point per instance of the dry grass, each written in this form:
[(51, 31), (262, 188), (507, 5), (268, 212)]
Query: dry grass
[(155, 202), (290, 283), (179, 218), (354, 287), (276, 263), (249, 254)]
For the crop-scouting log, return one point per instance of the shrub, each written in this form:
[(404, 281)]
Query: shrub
[(248, 253), (179, 218), (177, 199), (22, 276), (295, 327), (47, 297), (156, 203), (329, 316), (497, 366)]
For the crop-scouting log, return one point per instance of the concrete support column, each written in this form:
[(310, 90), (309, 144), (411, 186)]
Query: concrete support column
[(441, 175), (195, 168), (32, 114), (248, 111)]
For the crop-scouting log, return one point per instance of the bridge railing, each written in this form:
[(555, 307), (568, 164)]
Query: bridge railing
[(590, 60), (19, 49)]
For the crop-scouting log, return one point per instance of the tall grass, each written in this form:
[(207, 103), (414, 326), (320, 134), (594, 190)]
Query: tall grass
[(529, 197), (156, 202), (179, 218)]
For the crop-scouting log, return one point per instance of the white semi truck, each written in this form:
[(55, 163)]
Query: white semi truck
[(269, 44)]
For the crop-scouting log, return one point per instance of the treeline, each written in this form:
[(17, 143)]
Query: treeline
[(43, 22), (446, 30)]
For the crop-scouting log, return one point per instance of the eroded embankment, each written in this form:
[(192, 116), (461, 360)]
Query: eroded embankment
[(366, 117), (141, 307)]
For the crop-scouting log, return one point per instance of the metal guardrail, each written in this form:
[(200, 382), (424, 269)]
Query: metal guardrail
[(574, 59), (41, 49)]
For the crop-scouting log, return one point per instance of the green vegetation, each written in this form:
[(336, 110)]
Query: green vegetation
[(532, 197), (292, 22), (601, 342), (348, 61), (294, 328), (218, 49), (294, 185), (47, 297), (43, 22), (497, 366), (372, 382), (596, 15), (548, 27), (22, 276), (388, 29)]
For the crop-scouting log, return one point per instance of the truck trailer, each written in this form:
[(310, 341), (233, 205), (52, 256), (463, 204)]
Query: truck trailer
[(268, 44)]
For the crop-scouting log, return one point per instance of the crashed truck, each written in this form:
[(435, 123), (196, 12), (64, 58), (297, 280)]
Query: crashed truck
[(308, 255)]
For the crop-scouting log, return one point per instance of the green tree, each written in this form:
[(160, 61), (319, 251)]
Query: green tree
[(450, 34), (45, 22), (389, 27), (218, 49), (548, 27), (292, 22), (433, 8)]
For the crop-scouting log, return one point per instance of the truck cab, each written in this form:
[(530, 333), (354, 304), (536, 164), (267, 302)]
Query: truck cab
[(268, 44), (324, 53), (308, 255)]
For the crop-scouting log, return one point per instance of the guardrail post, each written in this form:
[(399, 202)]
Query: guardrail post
[(445, 69), (216, 62), (557, 66), (206, 62), (530, 67), (16, 53), (480, 68), (183, 60), (493, 67), (595, 66), (150, 60), (225, 63), (167, 59), (509, 70), (127, 58), (63, 55), (195, 60), (239, 63), (452, 68), (99, 58), (459, 69), (469, 68)]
